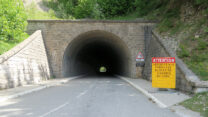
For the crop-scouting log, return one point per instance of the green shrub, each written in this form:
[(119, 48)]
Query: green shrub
[(35, 14), (202, 45), (112, 8), (86, 9), (206, 30), (198, 58), (144, 7), (63, 8), (5, 46), (201, 2), (183, 52), (13, 20), (199, 68), (70, 9), (165, 25)]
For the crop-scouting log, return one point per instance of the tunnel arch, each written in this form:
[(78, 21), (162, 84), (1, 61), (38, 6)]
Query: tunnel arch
[(86, 53)]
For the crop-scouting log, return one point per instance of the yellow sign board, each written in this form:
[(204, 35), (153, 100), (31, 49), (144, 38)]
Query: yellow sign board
[(163, 72)]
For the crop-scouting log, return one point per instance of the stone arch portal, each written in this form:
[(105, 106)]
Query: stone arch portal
[(91, 50)]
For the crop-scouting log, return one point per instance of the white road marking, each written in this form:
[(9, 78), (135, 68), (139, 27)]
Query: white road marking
[(54, 110), (29, 114), (83, 93), (131, 95), (119, 84), (161, 104)]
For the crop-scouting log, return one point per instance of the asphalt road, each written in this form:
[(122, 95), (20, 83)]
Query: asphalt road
[(85, 97)]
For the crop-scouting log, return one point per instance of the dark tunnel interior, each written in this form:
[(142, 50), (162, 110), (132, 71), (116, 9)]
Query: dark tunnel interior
[(85, 56)]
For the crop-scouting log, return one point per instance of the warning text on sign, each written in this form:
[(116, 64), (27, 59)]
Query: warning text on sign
[(163, 72)]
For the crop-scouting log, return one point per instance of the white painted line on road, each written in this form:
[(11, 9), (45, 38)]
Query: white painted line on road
[(162, 105), (54, 110), (84, 92), (81, 94)]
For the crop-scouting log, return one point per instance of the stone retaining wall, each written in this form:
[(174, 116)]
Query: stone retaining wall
[(24, 64), (186, 80)]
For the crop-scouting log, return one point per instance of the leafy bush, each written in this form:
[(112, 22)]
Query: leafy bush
[(183, 52), (63, 8), (206, 30), (70, 9), (198, 58), (202, 45), (12, 20), (95, 9), (112, 8), (5, 46), (144, 7), (201, 2), (86, 9)]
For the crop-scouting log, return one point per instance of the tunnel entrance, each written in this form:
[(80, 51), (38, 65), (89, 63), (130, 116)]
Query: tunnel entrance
[(90, 51)]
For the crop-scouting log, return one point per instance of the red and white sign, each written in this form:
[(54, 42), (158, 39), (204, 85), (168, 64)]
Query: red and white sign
[(140, 57), (163, 72), (163, 60)]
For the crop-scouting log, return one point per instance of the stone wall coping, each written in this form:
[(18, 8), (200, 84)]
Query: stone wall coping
[(96, 21), (19, 47), (189, 75)]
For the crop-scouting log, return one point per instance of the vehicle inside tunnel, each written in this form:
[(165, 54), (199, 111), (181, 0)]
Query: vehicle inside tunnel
[(96, 53)]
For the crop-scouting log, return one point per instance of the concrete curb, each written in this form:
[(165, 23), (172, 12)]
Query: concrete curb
[(37, 89), (179, 110), (158, 102), (22, 93)]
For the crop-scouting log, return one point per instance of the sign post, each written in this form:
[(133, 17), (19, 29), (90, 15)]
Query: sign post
[(163, 72), (140, 57), (139, 64)]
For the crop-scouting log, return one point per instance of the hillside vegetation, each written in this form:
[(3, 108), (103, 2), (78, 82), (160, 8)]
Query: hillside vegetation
[(187, 24), (36, 10), (184, 21), (12, 24), (198, 103)]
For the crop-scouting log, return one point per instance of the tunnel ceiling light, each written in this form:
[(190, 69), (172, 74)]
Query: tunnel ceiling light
[(103, 69)]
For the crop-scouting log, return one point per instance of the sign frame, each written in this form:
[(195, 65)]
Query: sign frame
[(164, 72), (140, 57)]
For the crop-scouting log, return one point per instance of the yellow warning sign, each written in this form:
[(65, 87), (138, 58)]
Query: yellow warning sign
[(163, 72)]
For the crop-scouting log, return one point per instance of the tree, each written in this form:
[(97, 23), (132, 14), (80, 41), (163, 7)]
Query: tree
[(13, 20)]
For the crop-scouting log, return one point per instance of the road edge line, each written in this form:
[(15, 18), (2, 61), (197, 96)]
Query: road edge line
[(158, 102), (36, 89)]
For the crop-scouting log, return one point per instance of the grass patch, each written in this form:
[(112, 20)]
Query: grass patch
[(183, 52), (32, 13), (5, 46), (194, 52), (199, 69), (198, 103), (131, 16), (35, 14), (196, 59)]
